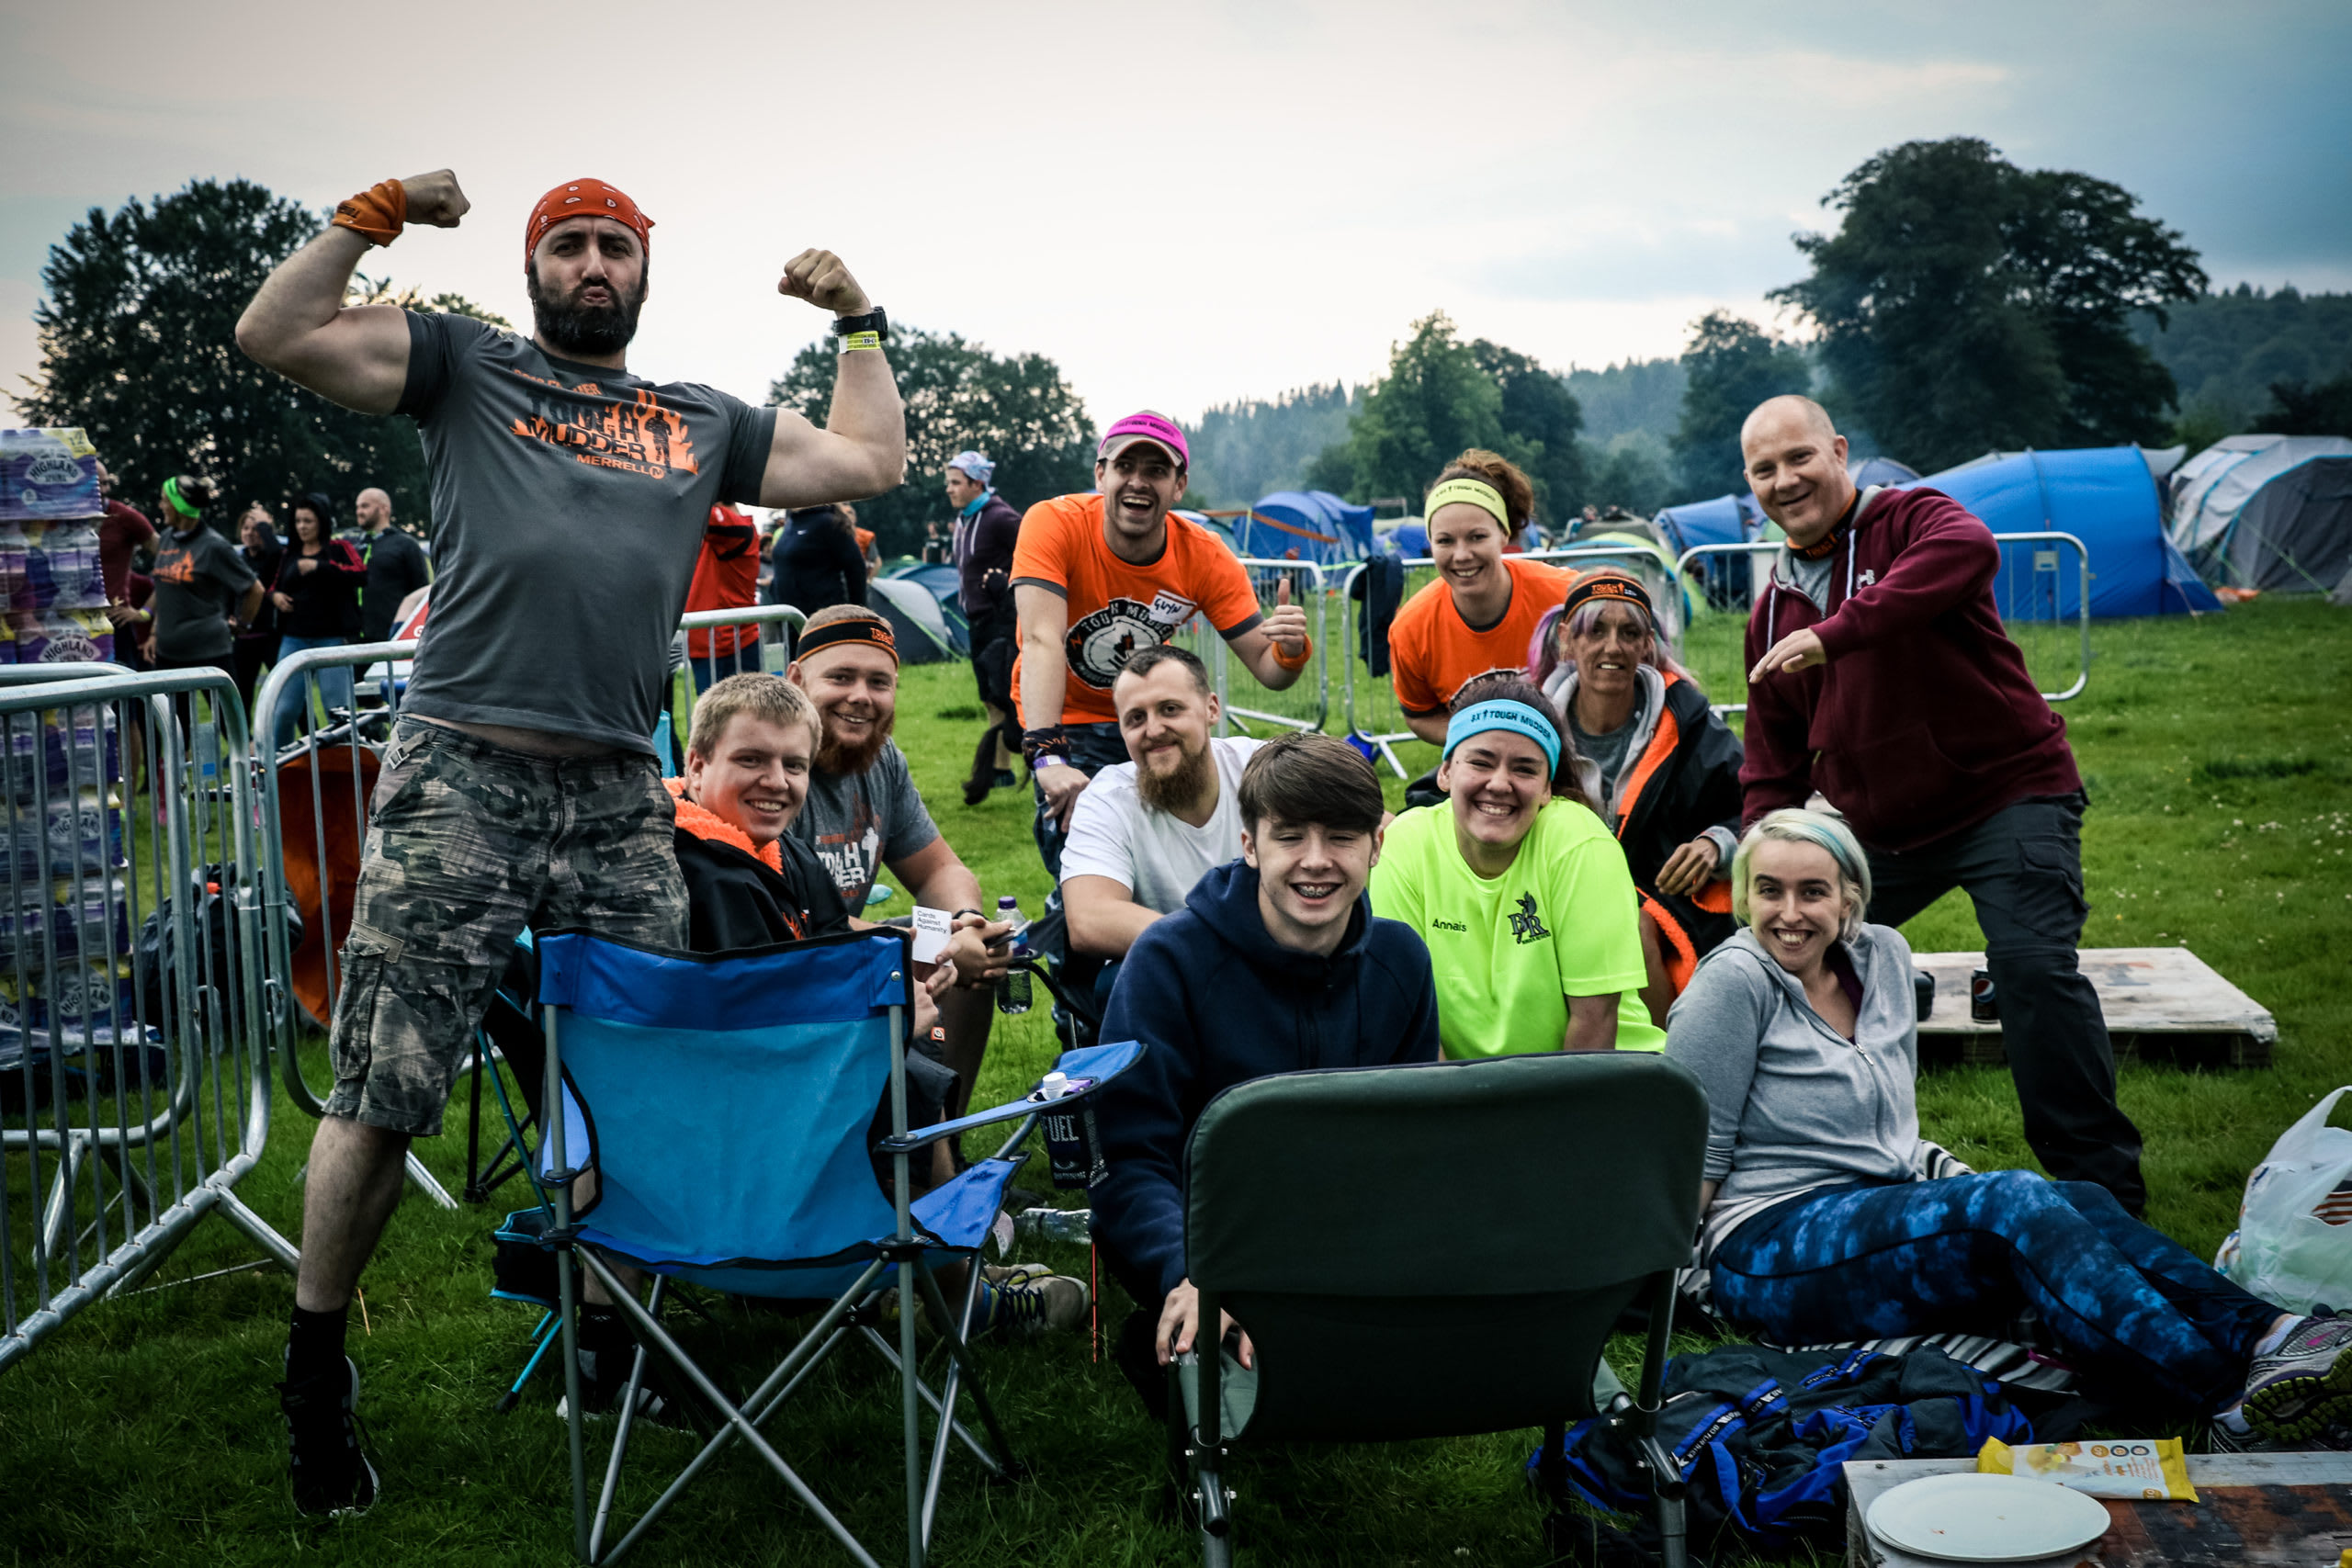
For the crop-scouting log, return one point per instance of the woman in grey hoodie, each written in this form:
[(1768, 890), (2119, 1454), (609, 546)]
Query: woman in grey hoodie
[(1828, 1218)]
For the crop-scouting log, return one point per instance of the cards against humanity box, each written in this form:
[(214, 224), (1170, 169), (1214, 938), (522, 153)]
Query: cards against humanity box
[(47, 474)]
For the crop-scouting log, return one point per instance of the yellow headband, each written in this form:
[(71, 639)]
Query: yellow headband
[(1476, 493)]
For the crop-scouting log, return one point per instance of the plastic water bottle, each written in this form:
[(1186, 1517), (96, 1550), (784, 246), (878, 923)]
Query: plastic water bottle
[(1074, 1225), (1012, 991)]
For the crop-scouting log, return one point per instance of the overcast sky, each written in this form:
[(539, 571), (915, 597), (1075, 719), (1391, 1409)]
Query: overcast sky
[(1183, 203)]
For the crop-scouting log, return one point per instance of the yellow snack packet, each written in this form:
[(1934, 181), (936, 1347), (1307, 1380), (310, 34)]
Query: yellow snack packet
[(2142, 1470)]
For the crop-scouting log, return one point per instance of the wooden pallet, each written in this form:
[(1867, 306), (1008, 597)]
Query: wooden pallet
[(2161, 1004), (2282, 1508)]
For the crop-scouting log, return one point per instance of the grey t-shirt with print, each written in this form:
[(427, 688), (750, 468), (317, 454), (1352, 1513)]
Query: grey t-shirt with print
[(200, 580), (858, 823), (568, 510)]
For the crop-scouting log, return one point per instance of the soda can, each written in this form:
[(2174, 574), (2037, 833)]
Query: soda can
[(1074, 1148), (1983, 1005)]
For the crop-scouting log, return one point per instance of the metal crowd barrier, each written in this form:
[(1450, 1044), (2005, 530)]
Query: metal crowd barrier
[(315, 794), (1305, 703), (2033, 605), (1369, 705), (134, 1082)]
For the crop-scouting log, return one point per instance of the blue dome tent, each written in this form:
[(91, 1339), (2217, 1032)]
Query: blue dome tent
[(1312, 526), (2104, 496), (1726, 520)]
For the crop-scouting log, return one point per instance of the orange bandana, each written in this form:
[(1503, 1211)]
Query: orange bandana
[(583, 199)]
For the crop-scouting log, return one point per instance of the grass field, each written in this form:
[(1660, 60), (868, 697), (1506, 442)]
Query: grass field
[(2218, 753)]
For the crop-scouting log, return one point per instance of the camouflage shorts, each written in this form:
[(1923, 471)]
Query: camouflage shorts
[(468, 843)]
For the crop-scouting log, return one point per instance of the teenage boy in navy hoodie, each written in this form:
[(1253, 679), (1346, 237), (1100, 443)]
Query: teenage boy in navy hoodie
[(1880, 676), (1276, 965)]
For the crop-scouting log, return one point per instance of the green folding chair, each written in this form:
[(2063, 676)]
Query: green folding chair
[(1434, 1251)]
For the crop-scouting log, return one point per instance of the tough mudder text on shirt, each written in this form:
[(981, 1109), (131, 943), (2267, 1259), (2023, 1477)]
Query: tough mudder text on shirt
[(568, 510)]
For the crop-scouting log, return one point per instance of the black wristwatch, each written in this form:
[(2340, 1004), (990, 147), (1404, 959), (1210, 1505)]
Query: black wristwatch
[(873, 320)]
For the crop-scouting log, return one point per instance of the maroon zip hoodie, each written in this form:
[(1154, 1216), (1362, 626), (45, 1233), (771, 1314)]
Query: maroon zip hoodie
[(1925, 720)]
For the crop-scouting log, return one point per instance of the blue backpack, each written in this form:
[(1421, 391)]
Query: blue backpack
[(1760, 1435)]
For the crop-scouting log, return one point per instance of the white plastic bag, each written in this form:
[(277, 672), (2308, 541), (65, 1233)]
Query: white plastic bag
[(2293, 1244)]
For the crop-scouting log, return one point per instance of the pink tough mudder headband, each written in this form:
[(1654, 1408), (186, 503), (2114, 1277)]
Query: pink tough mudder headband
[(1145, 426)]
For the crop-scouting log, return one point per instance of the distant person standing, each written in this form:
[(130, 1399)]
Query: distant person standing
[(987, 527), (397, 567), (121, 532), (1880, 675), (727, 577), (319, 581), (818, 563), (204, 591), (257, 644)]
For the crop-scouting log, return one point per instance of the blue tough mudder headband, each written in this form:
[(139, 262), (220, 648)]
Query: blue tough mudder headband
[(1517, 717)]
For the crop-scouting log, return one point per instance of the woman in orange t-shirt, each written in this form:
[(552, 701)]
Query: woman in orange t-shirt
[(1484, 606)]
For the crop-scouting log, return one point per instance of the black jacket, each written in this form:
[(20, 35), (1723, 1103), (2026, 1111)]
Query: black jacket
[(735, 899), (326, 598), (816, 562), (1216, 1003), (264, 562), (1687, 782), (396, 568)]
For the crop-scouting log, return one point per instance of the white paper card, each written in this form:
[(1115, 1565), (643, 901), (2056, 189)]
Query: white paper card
[(933, 928)]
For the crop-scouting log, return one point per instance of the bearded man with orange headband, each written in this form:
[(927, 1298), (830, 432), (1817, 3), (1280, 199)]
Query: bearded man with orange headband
[(521, 788)]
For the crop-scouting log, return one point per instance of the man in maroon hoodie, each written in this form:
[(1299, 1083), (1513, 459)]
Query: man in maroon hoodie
[(1881, 677)]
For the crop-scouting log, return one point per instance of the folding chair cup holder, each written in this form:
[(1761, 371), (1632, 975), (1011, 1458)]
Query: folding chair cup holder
[(1391, 1298), (743, 1165)]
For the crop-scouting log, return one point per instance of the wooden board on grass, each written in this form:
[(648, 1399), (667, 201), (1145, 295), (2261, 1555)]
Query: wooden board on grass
[(2270, 1508), (2161, 1003)]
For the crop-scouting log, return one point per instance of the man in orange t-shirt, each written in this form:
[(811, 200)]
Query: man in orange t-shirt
[(1097, 577)]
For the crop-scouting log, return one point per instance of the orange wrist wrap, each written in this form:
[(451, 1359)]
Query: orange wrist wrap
[(1306, 652), (376, 214)]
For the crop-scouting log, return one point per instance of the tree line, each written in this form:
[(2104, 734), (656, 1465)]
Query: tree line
[(1962, 304)]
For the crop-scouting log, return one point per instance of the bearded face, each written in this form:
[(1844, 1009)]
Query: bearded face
[(855, 688), (1175, 777), (852, 748), (590, 319)]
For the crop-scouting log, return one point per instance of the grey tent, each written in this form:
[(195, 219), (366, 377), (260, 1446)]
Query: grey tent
[(914, 618), (2267, 511)]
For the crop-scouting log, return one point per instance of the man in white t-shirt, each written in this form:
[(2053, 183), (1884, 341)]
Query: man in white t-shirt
[(1146, 830)]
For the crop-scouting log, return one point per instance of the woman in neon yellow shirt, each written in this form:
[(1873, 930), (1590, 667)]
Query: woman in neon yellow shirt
[(1520, 891)]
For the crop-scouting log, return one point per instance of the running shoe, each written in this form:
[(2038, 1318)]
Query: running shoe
[(1014, 1273), (331, 1476), (604, 1378), (2303, 1386), (1046, 1303)]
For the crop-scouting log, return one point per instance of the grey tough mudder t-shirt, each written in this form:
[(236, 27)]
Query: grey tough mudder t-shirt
[(568, 510)]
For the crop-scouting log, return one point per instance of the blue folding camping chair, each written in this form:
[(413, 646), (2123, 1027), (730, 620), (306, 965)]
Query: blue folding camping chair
[(738, 1093)]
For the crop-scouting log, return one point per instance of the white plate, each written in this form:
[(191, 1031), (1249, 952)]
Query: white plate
[(1986, 1519)]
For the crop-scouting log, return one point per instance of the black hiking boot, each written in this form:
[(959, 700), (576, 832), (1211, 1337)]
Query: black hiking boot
[(331, 1476)]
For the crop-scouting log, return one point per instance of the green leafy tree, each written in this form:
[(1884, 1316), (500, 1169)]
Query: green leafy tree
[(1732, 365), (1243, 450), (1630, 476), (1442, 396), (1541, 421), (2299, 409), (1965, 304), (1018, 410), (138, 348)]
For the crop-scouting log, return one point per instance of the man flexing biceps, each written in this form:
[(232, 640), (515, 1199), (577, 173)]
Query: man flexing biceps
[(521, 787)]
